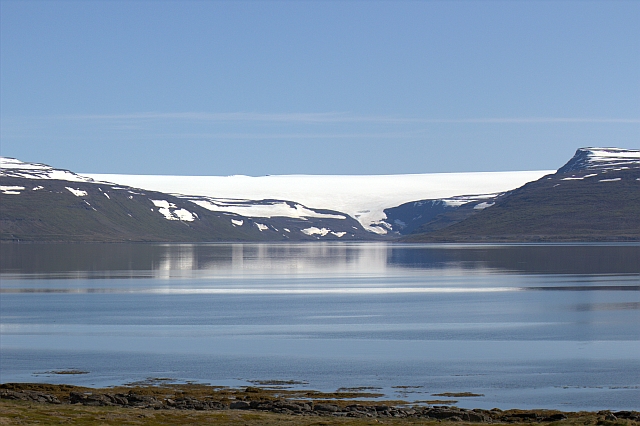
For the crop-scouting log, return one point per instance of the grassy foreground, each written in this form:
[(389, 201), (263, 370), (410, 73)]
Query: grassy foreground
[(26, 413), (64, 411)]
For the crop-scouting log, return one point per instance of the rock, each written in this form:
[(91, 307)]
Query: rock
[(240, 405), (142, 401), (328, 408), (91, 399), (475, 417), (29, 396), (214, 405), (438, 413), (524, 416), (629, 415), (555, 417)]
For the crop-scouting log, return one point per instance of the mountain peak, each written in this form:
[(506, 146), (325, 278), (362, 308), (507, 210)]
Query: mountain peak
[(12, 167), (602, 159)]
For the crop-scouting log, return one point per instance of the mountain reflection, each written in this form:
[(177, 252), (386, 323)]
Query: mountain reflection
[(171, 260)]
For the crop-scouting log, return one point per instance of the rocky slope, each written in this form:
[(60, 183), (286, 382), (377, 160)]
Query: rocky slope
[(594, 197), (41, 203)]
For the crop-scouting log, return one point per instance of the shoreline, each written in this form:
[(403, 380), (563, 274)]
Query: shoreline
[(298, 406)]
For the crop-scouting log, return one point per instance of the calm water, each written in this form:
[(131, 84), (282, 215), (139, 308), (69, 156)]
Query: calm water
[(552, 326)]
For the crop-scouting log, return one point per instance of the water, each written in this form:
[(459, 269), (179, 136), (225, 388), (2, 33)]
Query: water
[(526, 326)]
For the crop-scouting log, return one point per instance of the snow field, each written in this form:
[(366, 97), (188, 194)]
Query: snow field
[(363, 197)]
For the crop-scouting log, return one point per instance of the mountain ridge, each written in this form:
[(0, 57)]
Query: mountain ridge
[(41, 203), (595, 196)]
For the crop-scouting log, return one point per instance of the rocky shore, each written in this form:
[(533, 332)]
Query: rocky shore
[(203, 398)]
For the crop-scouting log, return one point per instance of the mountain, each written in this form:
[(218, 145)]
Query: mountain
[(361, 197), (439, 213), (41, 203), (594, 197)]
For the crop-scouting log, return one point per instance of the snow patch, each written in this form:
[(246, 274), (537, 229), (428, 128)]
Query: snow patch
[(237, 222), (106, 195), (38, 188), (11, 190), (581, 177), (610, 180), (77, 192), (339, 234), (266, 209), (262, 226), (483, 206), (163, 204), (184, 215), (164, 208), (454, 202), (313, 231)]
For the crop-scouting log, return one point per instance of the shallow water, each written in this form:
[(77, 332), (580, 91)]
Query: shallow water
[(551, 326)]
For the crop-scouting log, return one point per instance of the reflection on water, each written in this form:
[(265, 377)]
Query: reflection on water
[(169, 260), (554, 326), (201, 260)]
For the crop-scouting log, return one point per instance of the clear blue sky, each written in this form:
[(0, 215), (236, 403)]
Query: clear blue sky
[(360, 87)]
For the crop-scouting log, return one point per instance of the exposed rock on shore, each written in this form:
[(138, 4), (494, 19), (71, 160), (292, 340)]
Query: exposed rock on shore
[(250, 399)]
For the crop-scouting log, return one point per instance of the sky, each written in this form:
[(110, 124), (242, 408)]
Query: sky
[(316, 87)]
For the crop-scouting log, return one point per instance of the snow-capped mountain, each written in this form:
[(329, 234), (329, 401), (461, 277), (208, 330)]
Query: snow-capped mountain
[(363, 198), (602, 159), (407, 218), (434, 214), (40, 202), (594, 197), (14, 168)]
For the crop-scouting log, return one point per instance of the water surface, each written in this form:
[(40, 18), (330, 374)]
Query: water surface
[(552, 326)]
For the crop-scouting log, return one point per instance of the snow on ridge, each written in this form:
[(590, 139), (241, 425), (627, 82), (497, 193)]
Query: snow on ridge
[(12, 167), (248, 208), (614, 153), (602, 159), (363, 197)]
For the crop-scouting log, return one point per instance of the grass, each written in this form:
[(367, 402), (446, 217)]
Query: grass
[(24, 413), (31, 413)]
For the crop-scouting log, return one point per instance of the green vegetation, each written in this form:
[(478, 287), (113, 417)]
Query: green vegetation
[(61, 408)]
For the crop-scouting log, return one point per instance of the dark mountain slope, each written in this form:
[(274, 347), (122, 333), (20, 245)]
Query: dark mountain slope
[(55, 210), (101, 213), (596, 197), (41, 203)]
